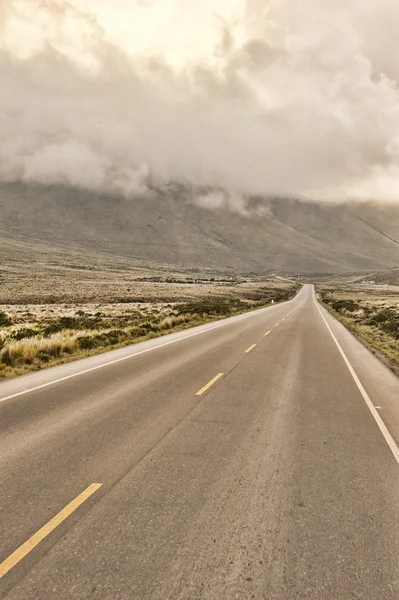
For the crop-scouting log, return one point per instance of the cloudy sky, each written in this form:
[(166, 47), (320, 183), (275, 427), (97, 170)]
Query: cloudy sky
[(250, 96)]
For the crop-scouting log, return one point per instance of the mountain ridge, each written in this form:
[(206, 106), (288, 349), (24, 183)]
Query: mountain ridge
[(167, 228)]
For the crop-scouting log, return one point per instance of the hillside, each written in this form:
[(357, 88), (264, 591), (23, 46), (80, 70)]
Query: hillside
[(54, 222), (387, 277)]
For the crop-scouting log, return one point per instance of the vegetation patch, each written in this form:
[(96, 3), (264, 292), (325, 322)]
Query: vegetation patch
[(32, 336), (371, 314), (4, 319)]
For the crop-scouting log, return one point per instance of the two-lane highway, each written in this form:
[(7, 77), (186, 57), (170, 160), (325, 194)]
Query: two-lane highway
[(241, 459)]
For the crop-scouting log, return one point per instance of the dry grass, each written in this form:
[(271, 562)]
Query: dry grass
[(78, 283), (371, 313), (28, 350), (33, 336)]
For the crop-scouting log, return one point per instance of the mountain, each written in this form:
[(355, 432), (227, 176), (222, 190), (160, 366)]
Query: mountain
[(168, 229)]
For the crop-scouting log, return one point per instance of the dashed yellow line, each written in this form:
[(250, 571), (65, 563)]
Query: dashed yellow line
[(208, 385), (39, 536), (267, 333), (250, 349)]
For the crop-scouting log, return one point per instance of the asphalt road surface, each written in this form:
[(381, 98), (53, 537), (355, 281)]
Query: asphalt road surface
[(251, 458)]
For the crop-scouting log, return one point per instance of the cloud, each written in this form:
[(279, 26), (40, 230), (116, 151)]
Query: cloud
[(271, 97)]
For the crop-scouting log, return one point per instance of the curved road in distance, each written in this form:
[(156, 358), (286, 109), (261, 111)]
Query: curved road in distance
[(251, 458)]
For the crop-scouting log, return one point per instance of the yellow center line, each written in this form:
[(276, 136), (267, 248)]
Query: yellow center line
[(267, 333), (39, 536), (250, 348), (208, 385)]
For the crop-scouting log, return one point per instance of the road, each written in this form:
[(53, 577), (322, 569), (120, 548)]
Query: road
[(251, 458)]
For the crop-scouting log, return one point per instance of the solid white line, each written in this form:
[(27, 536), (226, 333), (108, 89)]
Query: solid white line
[(383, 428), (117, 360)]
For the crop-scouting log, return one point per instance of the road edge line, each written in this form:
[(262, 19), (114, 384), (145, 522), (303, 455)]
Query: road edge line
[(383, 428)]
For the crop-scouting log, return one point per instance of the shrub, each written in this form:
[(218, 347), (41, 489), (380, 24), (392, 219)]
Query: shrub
[(5, 356), (345, 305), (5, 320), (25, 332), (103, 339), (386, 320), (138, 331), (86, 342)]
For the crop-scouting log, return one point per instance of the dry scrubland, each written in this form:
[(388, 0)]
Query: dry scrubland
[(59, 313), (371, 312)]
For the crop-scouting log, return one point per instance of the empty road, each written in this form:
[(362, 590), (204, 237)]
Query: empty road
[(253, 458)]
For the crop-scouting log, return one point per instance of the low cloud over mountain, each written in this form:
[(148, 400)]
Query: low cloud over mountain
[(248, 97)]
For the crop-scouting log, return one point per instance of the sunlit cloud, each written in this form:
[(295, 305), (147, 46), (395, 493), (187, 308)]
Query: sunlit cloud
[(249, 97)]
